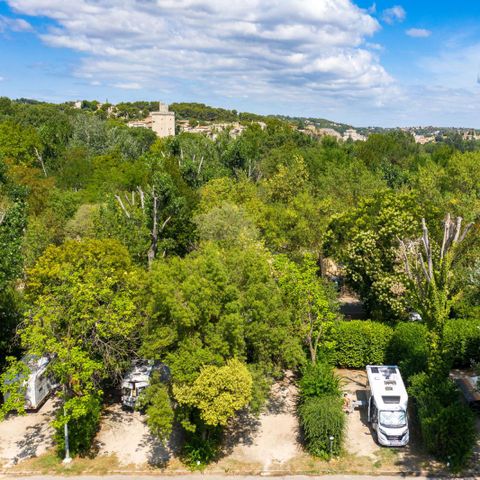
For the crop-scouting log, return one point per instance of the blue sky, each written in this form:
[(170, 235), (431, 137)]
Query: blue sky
[(389, 63)]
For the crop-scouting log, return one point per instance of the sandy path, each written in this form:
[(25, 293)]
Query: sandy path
[(126, 435), (26, 436), (272, 439), (359, 440)]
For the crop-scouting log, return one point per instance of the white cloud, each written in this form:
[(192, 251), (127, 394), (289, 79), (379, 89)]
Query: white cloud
[(418, 32), (124, 86), (14, 24), (2, 79), (394, 15), (260, 47)]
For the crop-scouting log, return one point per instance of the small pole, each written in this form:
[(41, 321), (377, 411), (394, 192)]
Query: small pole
[(67, 458), (331, 438)]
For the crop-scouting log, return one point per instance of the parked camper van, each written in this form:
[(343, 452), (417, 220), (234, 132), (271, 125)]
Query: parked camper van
[(387, 405), (138, 378), (39, 384)]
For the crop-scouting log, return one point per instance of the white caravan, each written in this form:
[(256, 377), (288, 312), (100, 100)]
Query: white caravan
[(39, 384), (387, 405), (138, 378)]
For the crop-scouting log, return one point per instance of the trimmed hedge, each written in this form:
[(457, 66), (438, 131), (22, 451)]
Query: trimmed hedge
[(408, 348), (462, 339), (320, 418), (360, 342)]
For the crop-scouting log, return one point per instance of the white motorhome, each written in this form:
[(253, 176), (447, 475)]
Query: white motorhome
[(138, 378), (39, 384), (387, 405)]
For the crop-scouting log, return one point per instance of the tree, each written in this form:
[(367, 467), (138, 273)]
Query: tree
[(12, 390), (227, 224), (83, 312), (155, 400), (430, 275), (218, 392), (365, 241), (310, 299)]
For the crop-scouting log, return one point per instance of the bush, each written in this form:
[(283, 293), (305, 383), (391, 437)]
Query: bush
[(198, 451), (360, 342), (319, 379), (447, 424), (408, 348), (83, 415), (156, 403), (462, 340), (320, 418)]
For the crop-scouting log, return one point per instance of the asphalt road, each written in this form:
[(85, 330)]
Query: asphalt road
[(217, 477)]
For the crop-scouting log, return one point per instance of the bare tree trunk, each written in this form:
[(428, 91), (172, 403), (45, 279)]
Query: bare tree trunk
[(40, 159), (125, 211), (152, 251), (200, 166), (142, 198)]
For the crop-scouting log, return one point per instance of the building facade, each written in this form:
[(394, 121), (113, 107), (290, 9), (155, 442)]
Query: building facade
[(163, 121)]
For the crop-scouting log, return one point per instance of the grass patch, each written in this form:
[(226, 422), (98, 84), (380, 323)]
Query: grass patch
[(50, 463)]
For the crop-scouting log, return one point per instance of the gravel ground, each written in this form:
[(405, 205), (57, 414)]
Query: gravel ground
[(26, 436), (125, 434), (272, 439), (359, 439)]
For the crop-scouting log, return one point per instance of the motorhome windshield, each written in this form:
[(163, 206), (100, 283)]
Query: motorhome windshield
[(393, 419)]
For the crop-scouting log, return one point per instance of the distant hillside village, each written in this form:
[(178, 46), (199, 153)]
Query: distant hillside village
[(168, 120)]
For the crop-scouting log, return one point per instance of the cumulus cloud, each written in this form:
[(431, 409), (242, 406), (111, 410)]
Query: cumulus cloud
[(418, 32), (394, 15), (254, 47), (14, 24)]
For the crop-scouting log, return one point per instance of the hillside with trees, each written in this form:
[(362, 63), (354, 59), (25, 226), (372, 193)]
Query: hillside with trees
[(212, 257)]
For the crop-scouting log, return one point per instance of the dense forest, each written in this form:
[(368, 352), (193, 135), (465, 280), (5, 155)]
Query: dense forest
[(222, 259)]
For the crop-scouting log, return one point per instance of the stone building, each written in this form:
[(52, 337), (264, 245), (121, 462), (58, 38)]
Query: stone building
[(163, 121)]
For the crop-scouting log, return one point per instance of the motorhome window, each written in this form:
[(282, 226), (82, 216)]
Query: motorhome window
[(393, 419), (391, 399)]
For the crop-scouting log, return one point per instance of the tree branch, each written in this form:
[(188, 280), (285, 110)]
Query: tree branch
[(123, 206)]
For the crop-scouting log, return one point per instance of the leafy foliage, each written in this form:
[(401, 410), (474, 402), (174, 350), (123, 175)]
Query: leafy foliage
[(322, 418), (155, 401), (318, 379), (447, 425), (360, 342), (218, 392), (12, 387), (408, 348)]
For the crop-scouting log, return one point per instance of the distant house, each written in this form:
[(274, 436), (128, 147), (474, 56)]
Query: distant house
[(353, 135), (329, 132)]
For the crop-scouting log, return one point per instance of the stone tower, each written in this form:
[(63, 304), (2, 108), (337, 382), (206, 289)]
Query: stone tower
[(163, 121)]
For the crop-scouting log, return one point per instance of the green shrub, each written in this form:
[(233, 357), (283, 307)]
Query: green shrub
[(319, 379), (360, 342), (83, 415), (462, 341), (408, 348), (198, 450), (446, 423), (320, 418), (155, 401)]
